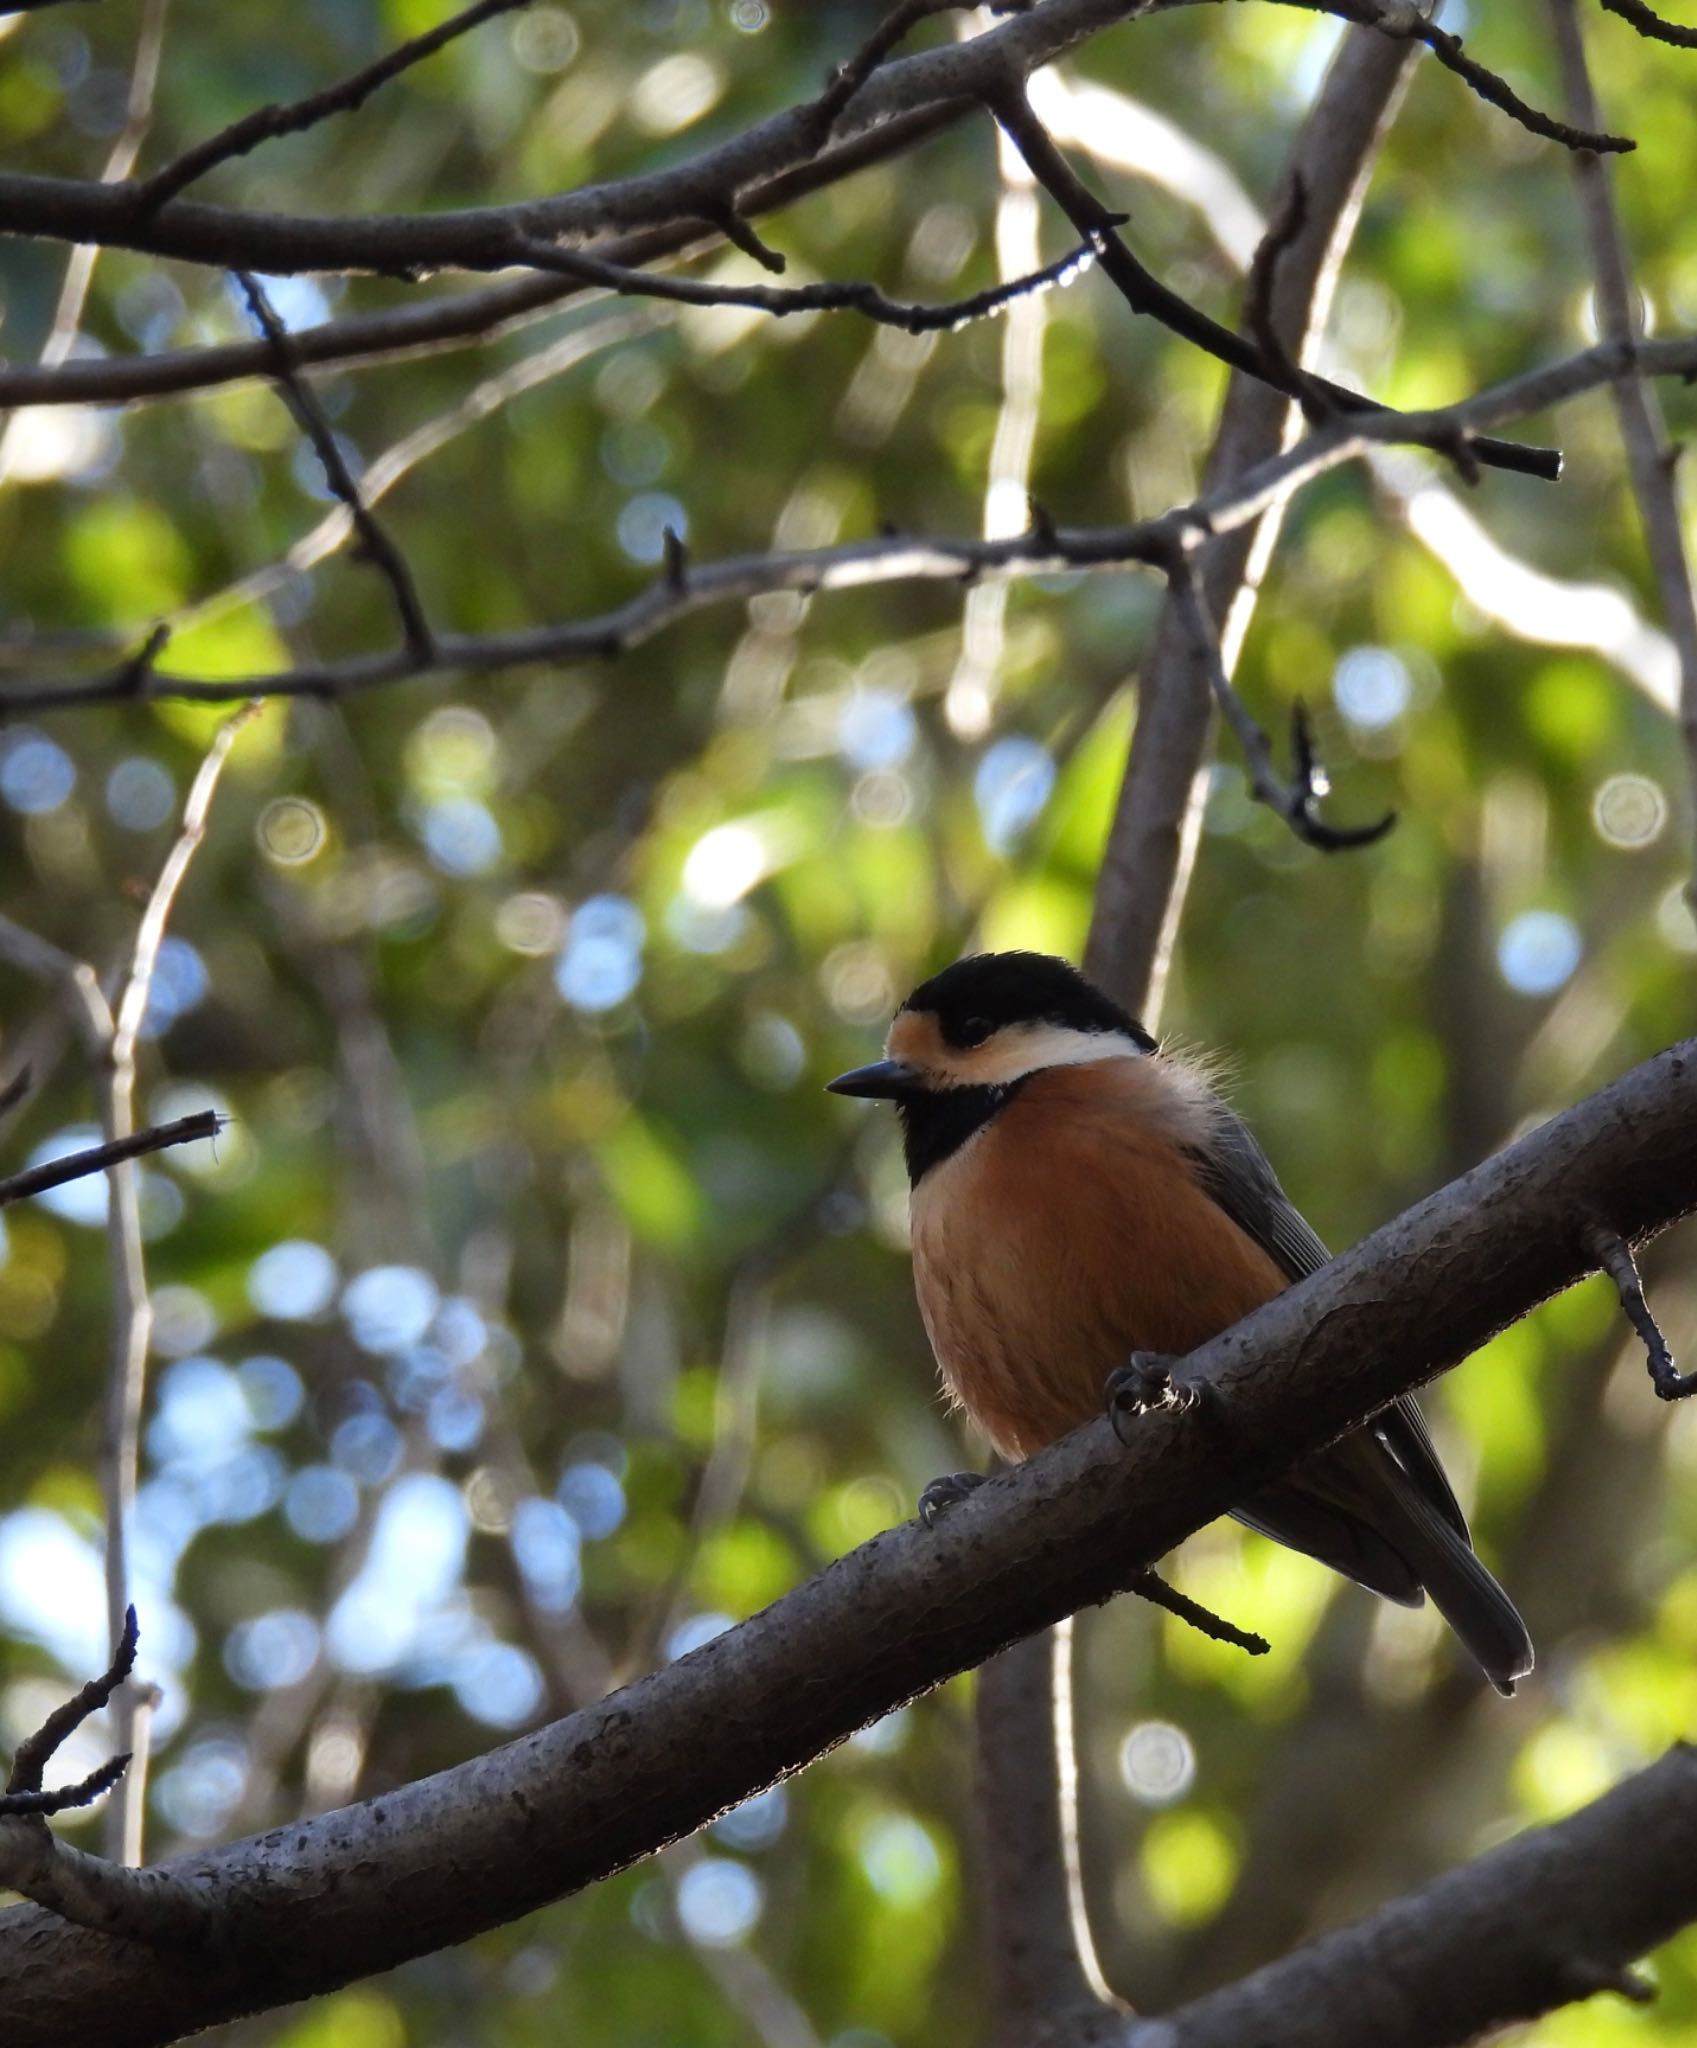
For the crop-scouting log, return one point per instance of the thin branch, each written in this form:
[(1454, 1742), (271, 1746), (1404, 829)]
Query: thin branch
[(375, 546), (851, 296), (481, 402), (36, 1752), (1296, 801), (304, 1910), (39, 1805), (1282, 233), (265, 124), (132, 1308), (1144, 292), (969, 700), (36, 1180), (1614, 1256), (1648, 23), (1152, 1587), (851, 75), (1401, 20)]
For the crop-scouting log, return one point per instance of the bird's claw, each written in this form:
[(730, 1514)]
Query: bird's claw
[(945, 1493), (1143, 1386)]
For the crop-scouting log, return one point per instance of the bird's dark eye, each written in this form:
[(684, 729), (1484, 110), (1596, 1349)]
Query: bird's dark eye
[(974, 1031)]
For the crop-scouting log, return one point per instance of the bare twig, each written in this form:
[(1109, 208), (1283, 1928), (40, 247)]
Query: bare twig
[(1226, 508), (1648, 23), (851, 296), (1408, 21), (1144, 293), (1152, 1587), (148, 194), (1614, 1257), (1282, 233), (1296, 801), (375, 546), (183, 1130), (36, 1752)]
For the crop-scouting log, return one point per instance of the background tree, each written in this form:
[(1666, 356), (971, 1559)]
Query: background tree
[(665, 663)]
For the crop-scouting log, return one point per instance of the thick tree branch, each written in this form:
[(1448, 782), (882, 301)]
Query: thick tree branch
[(375, 545), (1555, 1915), (265, 124), (317, 1903)]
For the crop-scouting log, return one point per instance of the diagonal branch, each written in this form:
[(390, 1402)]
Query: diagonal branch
[(37, 1751), (1555, 1915), (1404, 21), (359, 1889), (1297, 801), (1144, 292), (375, 545), (852, 295), (265, 124)]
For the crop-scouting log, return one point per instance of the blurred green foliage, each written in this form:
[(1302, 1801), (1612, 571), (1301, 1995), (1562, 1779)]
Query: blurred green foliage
[(521, 993)]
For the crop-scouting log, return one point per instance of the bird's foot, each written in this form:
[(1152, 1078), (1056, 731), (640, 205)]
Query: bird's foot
[(1144, 1386), (945, 1493)]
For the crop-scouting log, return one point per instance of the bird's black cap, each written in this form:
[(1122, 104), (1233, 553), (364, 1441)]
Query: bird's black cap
[(986, 991)]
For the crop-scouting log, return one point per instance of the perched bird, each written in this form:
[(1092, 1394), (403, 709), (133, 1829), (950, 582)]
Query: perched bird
[(1081, 1198)]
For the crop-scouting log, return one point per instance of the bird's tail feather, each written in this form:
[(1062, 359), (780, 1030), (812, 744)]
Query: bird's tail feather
[(1463, 1591)]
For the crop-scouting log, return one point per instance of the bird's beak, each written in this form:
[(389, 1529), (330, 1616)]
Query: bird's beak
[(892, 1078)]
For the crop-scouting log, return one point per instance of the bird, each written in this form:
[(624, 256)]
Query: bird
[(1085, 1205)]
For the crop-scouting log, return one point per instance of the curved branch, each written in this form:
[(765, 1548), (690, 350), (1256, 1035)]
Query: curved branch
[(317, 1903)]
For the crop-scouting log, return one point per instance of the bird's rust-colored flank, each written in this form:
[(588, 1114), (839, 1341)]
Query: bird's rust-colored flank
[(1014, 1235)]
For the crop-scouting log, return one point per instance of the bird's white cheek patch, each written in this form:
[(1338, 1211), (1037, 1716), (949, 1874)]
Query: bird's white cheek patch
[(1029, 1048)]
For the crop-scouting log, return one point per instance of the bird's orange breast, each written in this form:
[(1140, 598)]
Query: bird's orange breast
[(1066, 1234)]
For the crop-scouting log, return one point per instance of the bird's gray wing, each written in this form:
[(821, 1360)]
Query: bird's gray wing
[(1235, 1173)]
